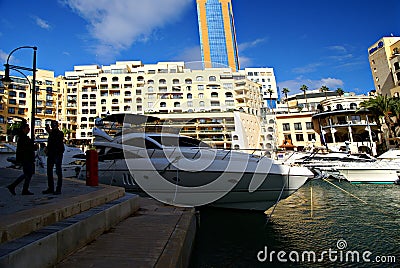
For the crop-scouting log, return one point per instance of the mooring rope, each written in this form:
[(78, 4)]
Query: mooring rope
[(363, 201), (279, 198)]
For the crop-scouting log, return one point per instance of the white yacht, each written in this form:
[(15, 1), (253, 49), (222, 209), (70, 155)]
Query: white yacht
[(183, 171), (326, 163), (385, 170)]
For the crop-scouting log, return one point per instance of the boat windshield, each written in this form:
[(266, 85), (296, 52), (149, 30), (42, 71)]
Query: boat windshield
[(173, 141)]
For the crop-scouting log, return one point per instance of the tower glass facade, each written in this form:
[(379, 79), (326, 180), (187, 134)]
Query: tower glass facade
[(217, 34)]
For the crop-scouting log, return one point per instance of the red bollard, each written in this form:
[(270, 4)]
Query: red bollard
[(92, 168)]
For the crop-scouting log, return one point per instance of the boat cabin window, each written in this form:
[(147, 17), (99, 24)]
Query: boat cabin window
[(106, 153), (173, 141), (141, 143)]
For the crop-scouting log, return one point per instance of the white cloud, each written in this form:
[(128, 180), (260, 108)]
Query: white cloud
[(340, 49), (295, 85), (190, 54), (309, 68), (245, 62), (251, 44), (42, 23), (117, 24), (3, 56)]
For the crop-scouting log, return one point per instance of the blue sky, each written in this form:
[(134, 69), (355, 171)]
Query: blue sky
[(306, 42)]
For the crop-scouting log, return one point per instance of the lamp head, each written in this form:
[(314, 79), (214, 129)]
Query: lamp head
[(6, 79)]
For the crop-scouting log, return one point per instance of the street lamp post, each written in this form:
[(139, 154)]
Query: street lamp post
[(7, 81)]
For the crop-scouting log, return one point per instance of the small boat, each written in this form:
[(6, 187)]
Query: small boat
[(326, 163), (184, 171), (385, 170)]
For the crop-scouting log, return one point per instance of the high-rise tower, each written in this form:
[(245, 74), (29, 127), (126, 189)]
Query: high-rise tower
[(217, 34)]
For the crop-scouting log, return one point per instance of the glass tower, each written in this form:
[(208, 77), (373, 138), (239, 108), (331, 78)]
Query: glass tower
[(217, 34)]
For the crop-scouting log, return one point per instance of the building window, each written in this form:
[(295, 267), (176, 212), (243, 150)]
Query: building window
[(200, 87), (188, 81), (286, 126), (229, 102), (163, 104), (309, 125), (199, 78), (311, 137), (190, 104), (353, 106), (214, 95), (227, 85), (201, 103), (212, 78), (177, 104), (189, 96), (297, 126), (355, 119), (228, 95), (201, 95), (299, 137)]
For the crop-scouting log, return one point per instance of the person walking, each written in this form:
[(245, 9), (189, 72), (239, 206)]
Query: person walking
[(55, 151), (25, 155)]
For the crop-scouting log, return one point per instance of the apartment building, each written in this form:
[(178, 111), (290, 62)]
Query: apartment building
[(266, 78), (380, 55), (15, 102), (395, 66), (338, 122), (293, 126), (167, 90)]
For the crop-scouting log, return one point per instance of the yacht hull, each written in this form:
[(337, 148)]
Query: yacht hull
[(369, 175), (279, 183)]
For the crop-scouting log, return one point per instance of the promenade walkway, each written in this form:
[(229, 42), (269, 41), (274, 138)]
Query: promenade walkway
[(44, 230)]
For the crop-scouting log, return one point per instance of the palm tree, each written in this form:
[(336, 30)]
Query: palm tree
[(304, 88), (339, 91), (67, 132), (382, 106), (286, 91), (324, 89), (270, 91)]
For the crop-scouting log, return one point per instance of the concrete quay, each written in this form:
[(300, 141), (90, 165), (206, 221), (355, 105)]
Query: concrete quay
[(55, 230)]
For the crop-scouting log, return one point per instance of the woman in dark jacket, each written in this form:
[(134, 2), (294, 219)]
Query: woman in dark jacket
[(26, 156)]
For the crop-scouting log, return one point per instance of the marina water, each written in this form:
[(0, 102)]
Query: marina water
[(358, 218)]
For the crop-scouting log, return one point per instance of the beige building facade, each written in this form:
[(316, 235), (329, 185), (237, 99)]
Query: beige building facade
[(379, 55), (15, 102), (166, 90)]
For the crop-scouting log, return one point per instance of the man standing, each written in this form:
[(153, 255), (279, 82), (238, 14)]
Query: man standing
[(26, 156), (55, 151)]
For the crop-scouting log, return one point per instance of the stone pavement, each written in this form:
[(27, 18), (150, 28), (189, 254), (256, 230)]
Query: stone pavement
[(154, 235)]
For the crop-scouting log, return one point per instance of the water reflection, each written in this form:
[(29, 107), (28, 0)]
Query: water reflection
[(367, 221)]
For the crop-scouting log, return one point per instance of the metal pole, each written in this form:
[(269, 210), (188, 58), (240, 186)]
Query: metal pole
[(33, 95)]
